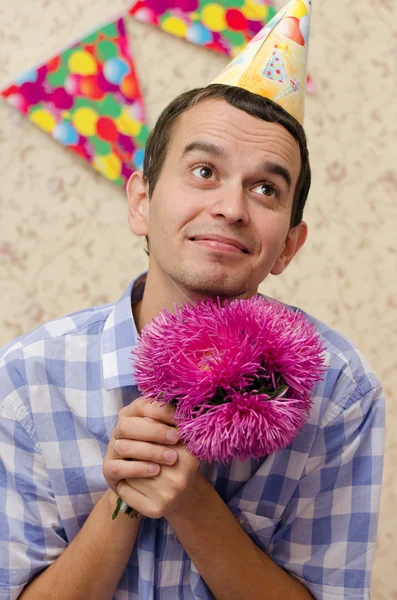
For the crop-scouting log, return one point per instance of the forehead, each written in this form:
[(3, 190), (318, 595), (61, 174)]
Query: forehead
[(238, 132)]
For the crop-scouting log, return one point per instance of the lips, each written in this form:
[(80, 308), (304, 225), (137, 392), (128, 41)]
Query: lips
[(221, 240)]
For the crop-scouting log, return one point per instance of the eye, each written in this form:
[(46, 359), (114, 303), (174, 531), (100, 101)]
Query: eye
[(267, 189), (203, 172)]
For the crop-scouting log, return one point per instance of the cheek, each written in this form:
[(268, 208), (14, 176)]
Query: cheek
[(181, 209), (272, 234), (168, 216)]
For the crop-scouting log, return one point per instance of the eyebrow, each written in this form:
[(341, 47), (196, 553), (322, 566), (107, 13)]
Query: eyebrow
[(207, 147), (277, 169), (214, 150)]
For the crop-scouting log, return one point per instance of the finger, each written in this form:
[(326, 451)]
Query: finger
[(129, 495), (144, 407), (144, 451), (115, 470), (136, 428), (137, 500)]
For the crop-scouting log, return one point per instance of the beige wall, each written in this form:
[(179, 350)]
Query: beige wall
[(64, 240)]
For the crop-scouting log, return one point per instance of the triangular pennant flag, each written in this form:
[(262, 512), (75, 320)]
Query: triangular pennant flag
[(225, 26), (88, 98)]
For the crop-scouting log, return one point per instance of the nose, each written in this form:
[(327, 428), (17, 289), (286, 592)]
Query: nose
[(230, 204)]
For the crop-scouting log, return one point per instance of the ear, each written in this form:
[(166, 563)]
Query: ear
[(293, 243), (138, 204)]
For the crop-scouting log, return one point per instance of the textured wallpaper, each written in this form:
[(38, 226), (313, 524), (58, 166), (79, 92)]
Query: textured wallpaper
[(65, 242)]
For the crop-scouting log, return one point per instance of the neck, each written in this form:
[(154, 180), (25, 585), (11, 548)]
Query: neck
[(159, 294), (163, 293)]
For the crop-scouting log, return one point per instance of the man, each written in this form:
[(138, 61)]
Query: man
[(221, 199)]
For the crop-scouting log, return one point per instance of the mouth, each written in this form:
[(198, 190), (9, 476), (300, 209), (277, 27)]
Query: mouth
[(220, 243)]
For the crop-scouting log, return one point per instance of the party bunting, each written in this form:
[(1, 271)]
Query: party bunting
[(88, 98), (225, 26)]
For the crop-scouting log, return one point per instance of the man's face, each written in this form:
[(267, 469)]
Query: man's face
[(219, 217)]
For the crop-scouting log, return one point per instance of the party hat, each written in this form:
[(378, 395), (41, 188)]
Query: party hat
[(274, 63)]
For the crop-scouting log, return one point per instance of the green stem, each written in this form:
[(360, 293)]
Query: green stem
[(124, 508)]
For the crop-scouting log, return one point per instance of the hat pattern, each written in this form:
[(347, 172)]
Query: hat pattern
[(275, 68)]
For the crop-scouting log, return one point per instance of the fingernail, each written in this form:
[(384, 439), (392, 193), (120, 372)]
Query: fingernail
[(169, 456), (153, 468), (172, 435)]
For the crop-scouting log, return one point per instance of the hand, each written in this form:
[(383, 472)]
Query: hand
[(165, 494), (144, 433)]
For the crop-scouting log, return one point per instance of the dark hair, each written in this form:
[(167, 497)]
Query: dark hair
[(253, 104)]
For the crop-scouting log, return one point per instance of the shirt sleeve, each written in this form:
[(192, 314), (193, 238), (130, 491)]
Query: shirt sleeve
[(326, 534), (31, 534)]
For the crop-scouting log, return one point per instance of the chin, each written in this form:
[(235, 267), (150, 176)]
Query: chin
[(214, 284)]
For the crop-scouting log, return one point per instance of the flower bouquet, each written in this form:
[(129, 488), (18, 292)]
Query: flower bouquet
[(240, 374)]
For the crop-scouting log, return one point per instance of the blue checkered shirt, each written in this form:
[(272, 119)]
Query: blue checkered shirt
[(312, 507)]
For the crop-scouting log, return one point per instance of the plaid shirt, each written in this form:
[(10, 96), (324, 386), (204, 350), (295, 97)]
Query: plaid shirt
[(312, 507)]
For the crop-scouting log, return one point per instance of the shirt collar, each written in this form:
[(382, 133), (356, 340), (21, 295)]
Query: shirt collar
[(119, 338)]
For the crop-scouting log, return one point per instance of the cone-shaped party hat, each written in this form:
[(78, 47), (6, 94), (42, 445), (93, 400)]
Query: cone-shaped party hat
[(274, 63)]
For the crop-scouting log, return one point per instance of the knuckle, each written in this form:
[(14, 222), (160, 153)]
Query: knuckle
[(153, 512), (146, 511), (114, 469), (121, 412), (143, 402), (139, 405), (121, 488), (179, 482), (130, 410), (168, 497), (123, 426)]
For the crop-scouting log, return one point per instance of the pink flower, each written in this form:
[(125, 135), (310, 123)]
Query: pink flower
[(247, 426), (241, 374)]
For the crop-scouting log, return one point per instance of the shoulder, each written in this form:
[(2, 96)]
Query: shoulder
[(55, 339), (349, 379), (72, 324)]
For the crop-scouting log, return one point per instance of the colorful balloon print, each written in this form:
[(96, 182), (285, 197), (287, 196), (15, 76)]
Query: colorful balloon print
[(225, 26), (290, 28), (88, 98), (66, 134), (304, 26), (115, 69)]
